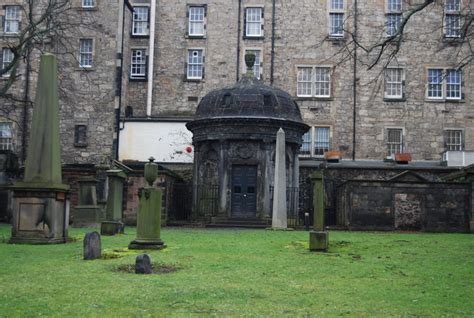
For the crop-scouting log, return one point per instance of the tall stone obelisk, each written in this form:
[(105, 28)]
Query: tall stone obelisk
[(279, 217), (41, 206)]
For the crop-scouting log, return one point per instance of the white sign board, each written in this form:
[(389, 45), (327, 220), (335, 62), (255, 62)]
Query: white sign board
[(165, 141)]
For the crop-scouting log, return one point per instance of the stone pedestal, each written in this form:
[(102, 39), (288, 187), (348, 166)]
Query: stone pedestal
[(41, 216), (113, 224), (148, 220), (87, 212), (41, 206), (318, 240)]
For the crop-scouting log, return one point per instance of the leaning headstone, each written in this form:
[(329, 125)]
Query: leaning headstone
[(149, 213), (279, 217), (143, 264), (113, 223), (319, 237), (92, 246)]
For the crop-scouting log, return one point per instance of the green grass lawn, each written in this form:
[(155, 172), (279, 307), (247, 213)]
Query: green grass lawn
[(228, 272)]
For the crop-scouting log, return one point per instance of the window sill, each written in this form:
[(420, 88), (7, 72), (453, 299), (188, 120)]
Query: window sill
[(195, 37), (80, 145), (87, 9), (336, 39), (137, 79), (247, 37), (85, 69), (444, 100), (193, 80), (139, 36), (394, 99), (453, 40), (10, 35), (322, 99)]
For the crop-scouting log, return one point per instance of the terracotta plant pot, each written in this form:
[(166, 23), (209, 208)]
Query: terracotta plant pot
[(402, 157), (333, 155)]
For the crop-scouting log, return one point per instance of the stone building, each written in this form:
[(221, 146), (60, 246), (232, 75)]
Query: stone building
[(139, 69)]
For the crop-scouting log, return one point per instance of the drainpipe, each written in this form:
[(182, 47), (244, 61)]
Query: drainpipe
[(25, 106), (354, 86), (151, 55), (272, 66), (238, 42)]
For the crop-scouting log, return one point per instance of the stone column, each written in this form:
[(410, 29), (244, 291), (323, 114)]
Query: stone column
[(149, 213), (267, 154), (279, 219), (114, 211), (222, 178), (41, 208), (471, 220), (318, 238)]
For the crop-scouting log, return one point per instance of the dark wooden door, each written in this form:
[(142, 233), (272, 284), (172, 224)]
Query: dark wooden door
[(244, 191)]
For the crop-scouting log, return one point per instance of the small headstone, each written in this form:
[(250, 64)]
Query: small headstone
[(92, 249), (143, 264)]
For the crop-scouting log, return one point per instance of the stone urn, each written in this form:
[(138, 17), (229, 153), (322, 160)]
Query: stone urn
[(151, 171)]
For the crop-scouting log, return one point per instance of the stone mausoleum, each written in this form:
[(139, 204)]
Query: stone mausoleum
[(234, 134)]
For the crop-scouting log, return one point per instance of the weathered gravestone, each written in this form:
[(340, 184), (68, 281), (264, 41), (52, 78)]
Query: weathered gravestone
[(318, 238), (279, 217), (113, 223), (143, 264), (149, 213), (41, 208), (92, 246)]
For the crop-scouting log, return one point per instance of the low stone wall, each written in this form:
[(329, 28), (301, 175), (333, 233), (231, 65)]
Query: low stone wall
[(433, 207)]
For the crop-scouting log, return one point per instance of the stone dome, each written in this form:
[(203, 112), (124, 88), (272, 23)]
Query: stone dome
[(249, 98)]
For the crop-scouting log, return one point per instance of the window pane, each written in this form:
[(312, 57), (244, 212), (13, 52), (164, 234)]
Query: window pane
[(435, 83), (321, 141), (7, 58), (140, 21), (85, 52), (6, 136), (452, 25), (453, 84), (305, 149), (138, 63), (453, 5), (195, 64), (88, 3), (336, 21), (322, 82), (254, 22), (394, 141), (453, 140), (393, 23), (394, 82), (196, 20), (394, 5), (304, 81), (12, 19), (337, 4)]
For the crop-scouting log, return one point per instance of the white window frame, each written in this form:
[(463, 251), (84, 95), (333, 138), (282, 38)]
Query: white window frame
[(142, 64), (444, 84), (12, 19), (192, 22), (336, 11), (314, 80), (6, 142), (390, 145), (458, 144), (452, 20), (140, 25), (6, 52), (85, 52), (258, 66), (87, 4), (312, 143), (388, 81), (192, 62), (259, 21)]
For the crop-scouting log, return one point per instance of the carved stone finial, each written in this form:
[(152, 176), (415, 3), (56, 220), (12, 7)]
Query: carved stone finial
[(250, 61)]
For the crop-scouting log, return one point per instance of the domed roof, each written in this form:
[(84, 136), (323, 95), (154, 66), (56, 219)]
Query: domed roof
[(249, 98)]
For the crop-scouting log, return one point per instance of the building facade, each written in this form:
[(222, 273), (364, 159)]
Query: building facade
[(175, 52)]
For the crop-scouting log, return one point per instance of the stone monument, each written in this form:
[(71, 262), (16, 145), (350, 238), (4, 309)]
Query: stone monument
[(149, 212), (41, 205), (279, 217), (319, 237), (87, 212), (92, 246), (113, 224)]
